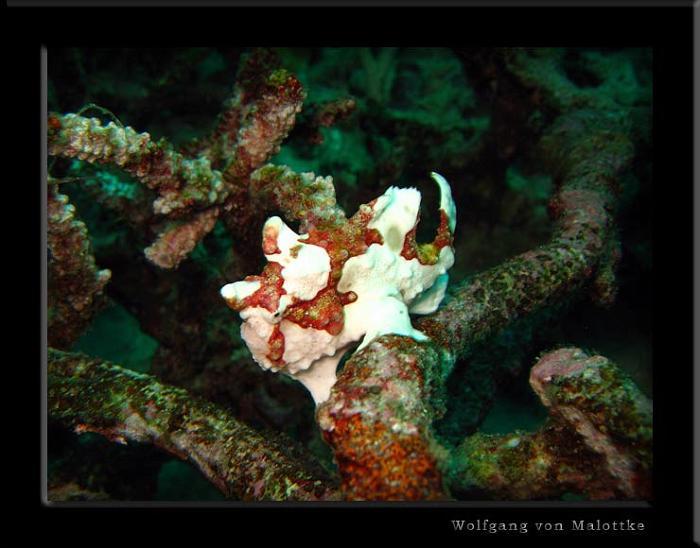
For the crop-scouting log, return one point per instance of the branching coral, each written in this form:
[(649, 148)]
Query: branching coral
[(335, 282), (597, 441), (94, 396), (582, 209), (256, 119), (75, 283)]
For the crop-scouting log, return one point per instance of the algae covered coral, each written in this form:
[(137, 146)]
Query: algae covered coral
[(164, 166)]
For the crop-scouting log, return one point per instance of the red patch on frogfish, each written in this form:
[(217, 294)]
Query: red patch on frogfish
[(444, 235), (269, 293), (347, 298), (373, 236), (324, 311), (442, 238), (276, 345)]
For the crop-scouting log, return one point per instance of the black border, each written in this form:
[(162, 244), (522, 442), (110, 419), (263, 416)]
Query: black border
[(669, 30), (345, 3)]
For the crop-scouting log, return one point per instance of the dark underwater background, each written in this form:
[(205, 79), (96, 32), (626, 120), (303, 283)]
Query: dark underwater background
[(417, 110)]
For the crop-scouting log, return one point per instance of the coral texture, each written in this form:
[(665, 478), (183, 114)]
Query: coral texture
[(597, 440), (75, 284), (125, 405), (256, 118)]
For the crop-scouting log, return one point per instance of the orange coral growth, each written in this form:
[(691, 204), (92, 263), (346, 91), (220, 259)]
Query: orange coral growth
[(396, 467)]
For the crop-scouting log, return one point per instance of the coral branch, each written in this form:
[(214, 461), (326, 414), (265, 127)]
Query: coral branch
[(324, 114), (96, 396), (604, 286), (71, 491), (74, 282), (378, 418), (181, 182), (545, 70), (267, 122), (255, 120), (302, 197), (596, 442), (587, 151), (175, 243)]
